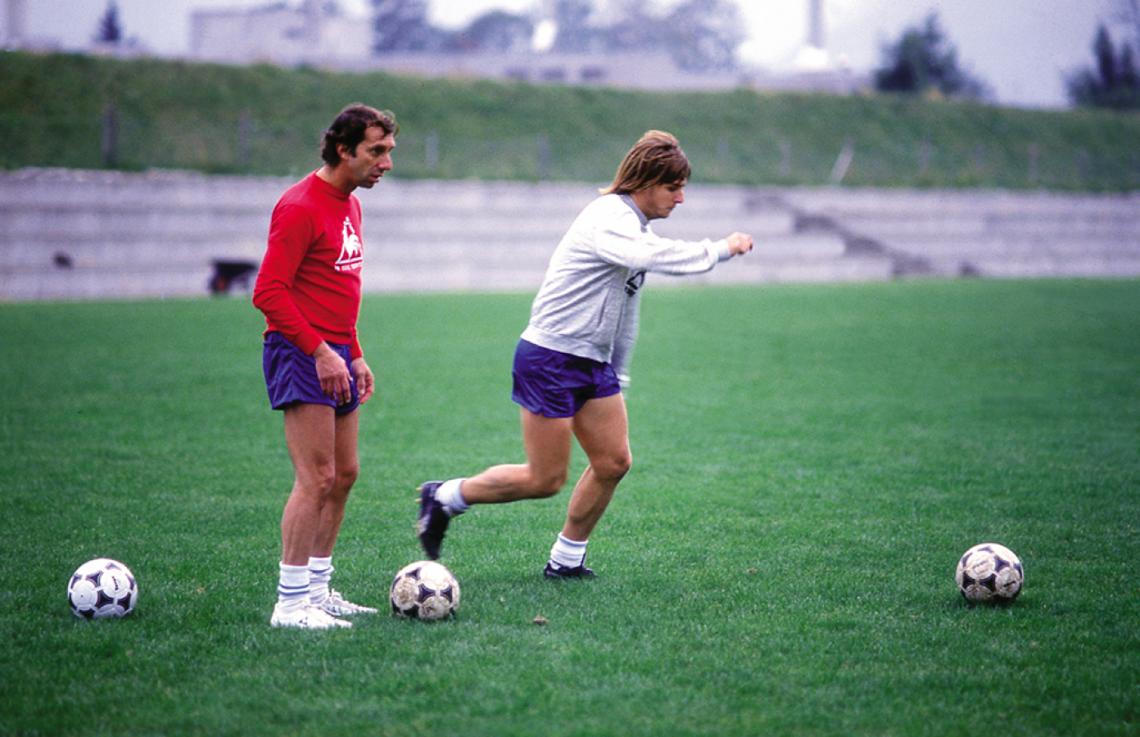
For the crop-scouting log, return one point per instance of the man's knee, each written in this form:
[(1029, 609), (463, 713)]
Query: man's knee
[(549, 483), (613, 466), (317, 480), (346, 476)]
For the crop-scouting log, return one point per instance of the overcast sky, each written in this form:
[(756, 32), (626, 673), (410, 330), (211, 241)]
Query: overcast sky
[(1021, 48)]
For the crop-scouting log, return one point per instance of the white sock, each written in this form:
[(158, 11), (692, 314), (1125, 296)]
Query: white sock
[(293, 585), (568, 553), (450, 495), (320, 571)]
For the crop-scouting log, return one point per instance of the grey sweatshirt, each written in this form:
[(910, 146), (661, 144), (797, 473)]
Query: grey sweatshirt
[(588, 302)]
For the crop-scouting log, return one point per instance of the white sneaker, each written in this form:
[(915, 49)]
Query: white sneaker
[(338, 606), (306, 617)]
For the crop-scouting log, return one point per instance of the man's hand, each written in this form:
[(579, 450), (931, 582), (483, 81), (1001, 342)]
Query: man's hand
[(365, 381), (739, 243), (333, 374)]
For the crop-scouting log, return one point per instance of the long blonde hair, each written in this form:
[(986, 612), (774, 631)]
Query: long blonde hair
[(656, 158)]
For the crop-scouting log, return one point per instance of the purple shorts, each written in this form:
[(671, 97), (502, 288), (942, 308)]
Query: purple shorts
[(555, 384), (291, 375)]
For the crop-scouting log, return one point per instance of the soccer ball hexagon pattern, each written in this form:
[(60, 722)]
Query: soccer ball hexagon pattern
[(102, 588), (989, 572), (424, 590)]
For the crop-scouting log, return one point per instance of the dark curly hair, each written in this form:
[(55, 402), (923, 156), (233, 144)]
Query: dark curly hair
[(349, 127)]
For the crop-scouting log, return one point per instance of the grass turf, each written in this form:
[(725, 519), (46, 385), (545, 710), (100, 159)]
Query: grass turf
[(809, 462)]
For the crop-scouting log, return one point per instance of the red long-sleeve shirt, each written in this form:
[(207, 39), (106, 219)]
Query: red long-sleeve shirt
[(309, 282)]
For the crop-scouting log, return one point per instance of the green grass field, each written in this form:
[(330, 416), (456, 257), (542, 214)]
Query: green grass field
[(809, 463)]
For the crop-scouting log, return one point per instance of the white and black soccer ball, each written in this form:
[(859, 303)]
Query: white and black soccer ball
[(102, 588), (989, 572), (424, 590)]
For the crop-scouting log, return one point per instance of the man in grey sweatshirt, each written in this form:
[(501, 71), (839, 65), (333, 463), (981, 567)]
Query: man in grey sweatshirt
[(572, 361)]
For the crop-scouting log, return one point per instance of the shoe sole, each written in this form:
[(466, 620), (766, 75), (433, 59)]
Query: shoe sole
[(299, 626), (423, 520)]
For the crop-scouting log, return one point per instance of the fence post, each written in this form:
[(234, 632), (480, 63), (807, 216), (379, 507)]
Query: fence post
[(1084, 165), (843, 162), (109, 143), (978, 161), (543, 156), (245, 139), (1033, 155), (785, 159), (925, 150), (431, 151)]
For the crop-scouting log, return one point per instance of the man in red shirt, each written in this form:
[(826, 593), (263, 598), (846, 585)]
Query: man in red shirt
[(309, 289)]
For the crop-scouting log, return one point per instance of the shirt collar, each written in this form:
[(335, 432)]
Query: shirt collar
[(633, 206)]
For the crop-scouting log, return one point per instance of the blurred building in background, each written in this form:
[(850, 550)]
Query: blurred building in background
[(318, 33), (314, 33), (15, 20)]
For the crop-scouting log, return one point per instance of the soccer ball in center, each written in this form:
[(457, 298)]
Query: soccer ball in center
[(102, 588), (424, 590), (989, 572)]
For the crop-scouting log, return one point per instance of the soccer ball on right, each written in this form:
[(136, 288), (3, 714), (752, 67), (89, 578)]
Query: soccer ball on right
[(989, 572), (102, 588), (424, 590)]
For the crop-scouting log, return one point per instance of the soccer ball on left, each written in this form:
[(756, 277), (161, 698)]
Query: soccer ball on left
[(102, 588), (989, 572), (424, 590)]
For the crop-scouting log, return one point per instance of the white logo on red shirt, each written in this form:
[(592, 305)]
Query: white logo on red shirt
[(351, 249)]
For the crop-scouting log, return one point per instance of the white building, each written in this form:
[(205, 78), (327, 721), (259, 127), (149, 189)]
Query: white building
[(316, 33), (312, 33), (15, 16)]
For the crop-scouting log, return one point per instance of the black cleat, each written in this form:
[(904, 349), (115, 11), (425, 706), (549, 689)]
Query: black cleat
[(433, 520), (560, 572)]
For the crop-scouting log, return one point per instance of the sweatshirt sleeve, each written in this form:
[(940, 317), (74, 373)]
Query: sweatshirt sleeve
[(623, 242), (290, 232)]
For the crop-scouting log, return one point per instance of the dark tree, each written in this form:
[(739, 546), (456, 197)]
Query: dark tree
[(1112, 83), (637, 29), (704, 34), (924, 60), (402, 25), (700, 35), (110, 31), (1128, 13), (495, 31), (575, 34)]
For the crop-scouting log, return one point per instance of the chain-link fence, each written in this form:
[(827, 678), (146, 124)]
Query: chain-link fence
[(245, 144)]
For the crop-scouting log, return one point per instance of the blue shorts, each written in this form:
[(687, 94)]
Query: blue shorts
[(291, 375), (555, 384)]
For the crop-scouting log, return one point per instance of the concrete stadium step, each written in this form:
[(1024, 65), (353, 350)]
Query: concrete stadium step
[(996, 247), (956, 202), (99, 252), (779, 270), (131, 220), (1046, 267), (120, 283), (896, 226), (81, 235)]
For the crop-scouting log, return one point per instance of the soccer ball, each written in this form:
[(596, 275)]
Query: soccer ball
[(102, 588), (989, 572), (424, 590)]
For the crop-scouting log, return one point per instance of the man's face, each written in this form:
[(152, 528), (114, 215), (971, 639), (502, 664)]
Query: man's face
[(371, 159), (658, 201)]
